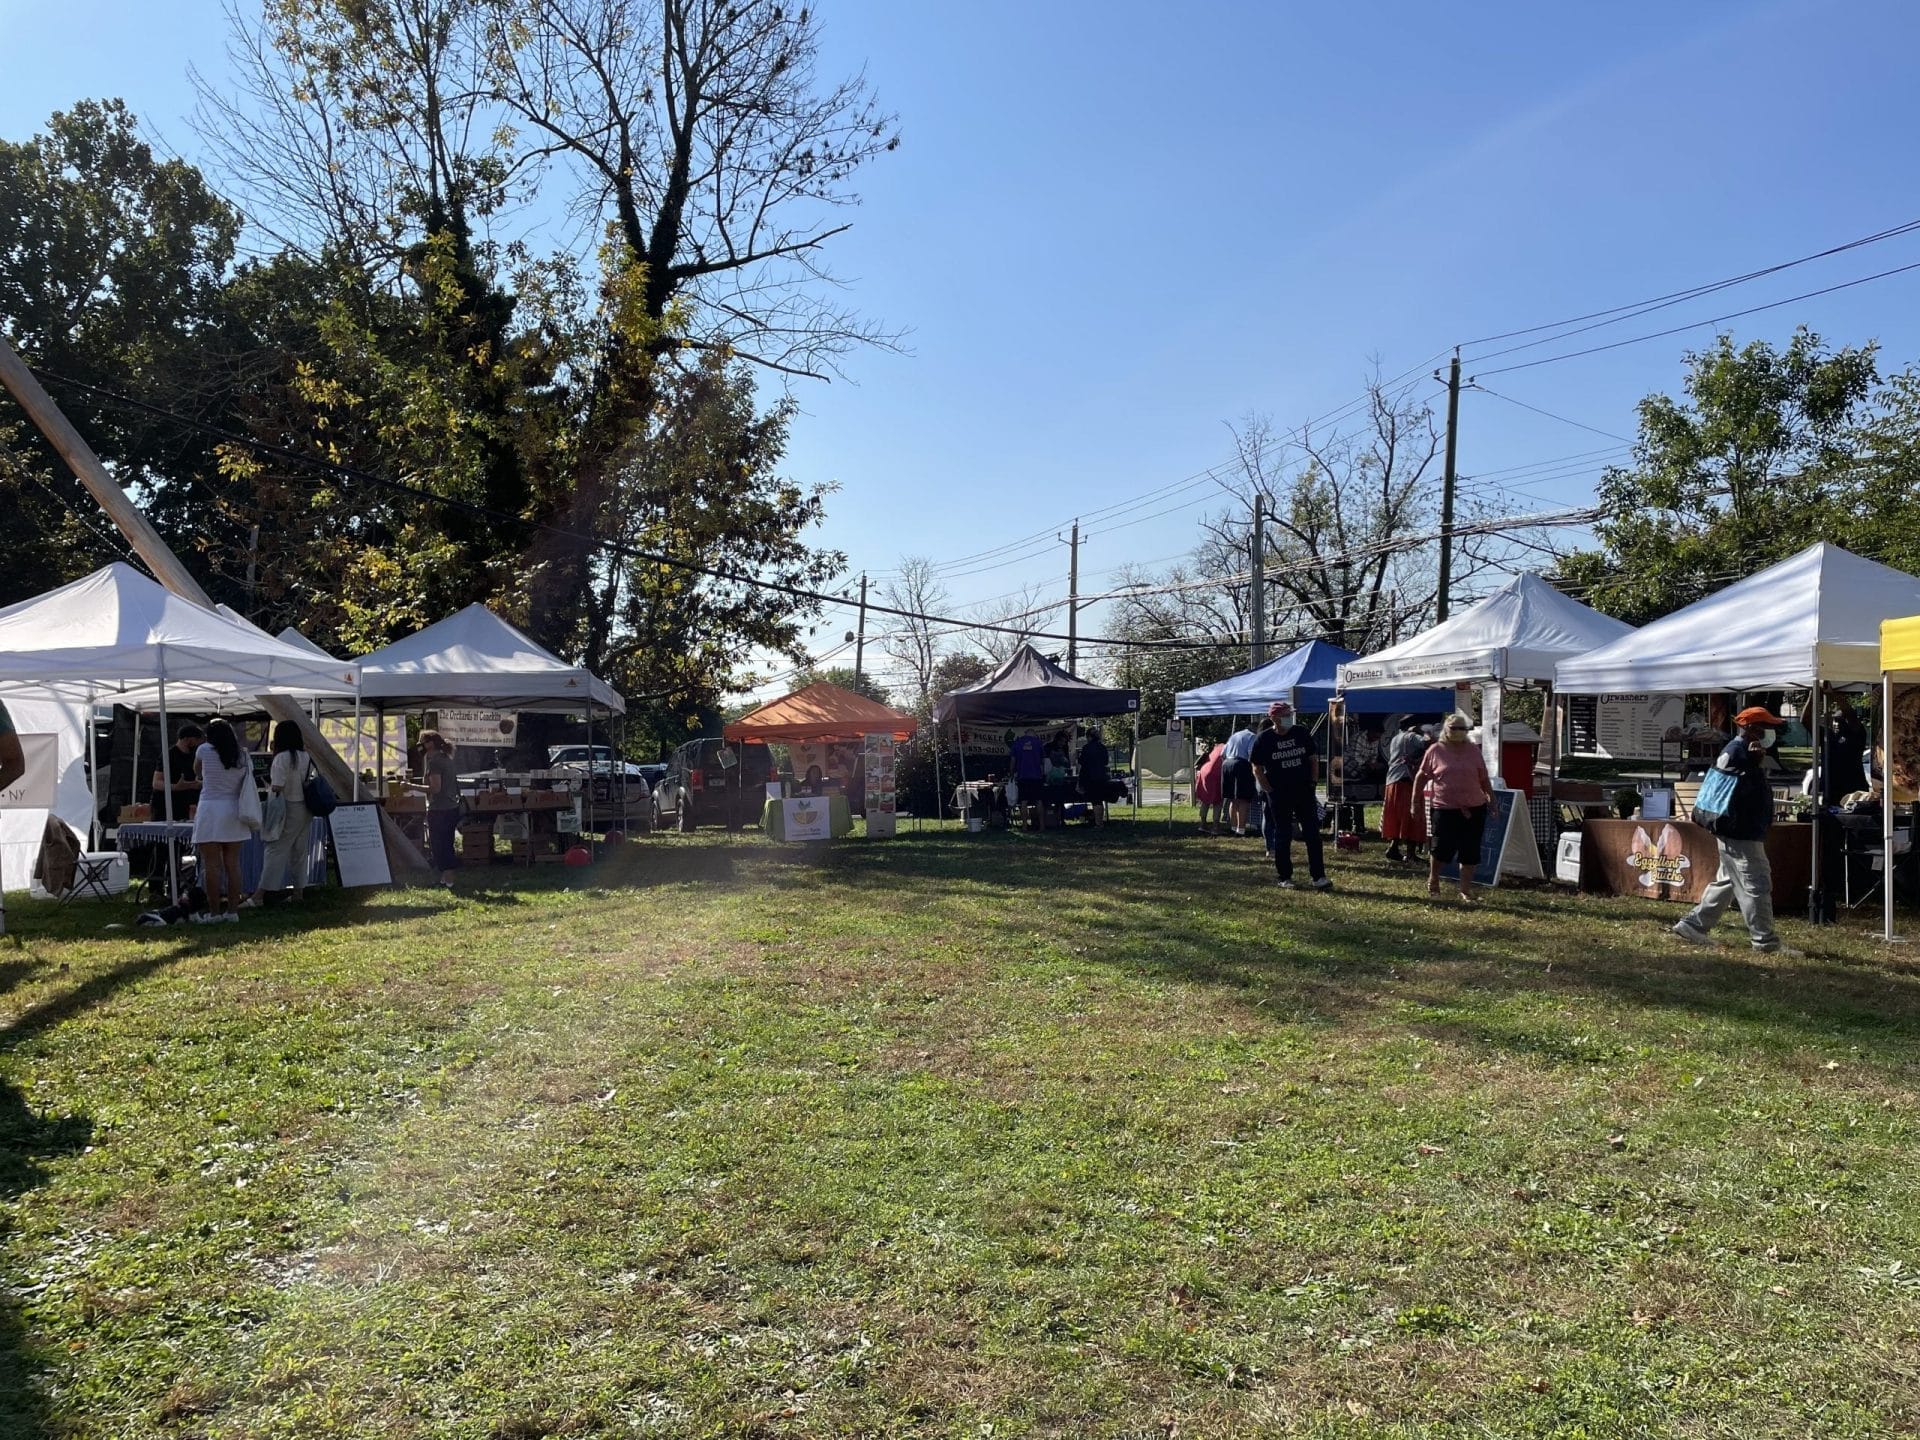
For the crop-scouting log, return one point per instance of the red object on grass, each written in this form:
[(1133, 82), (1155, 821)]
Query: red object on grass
[(613, 838), (579, 855)]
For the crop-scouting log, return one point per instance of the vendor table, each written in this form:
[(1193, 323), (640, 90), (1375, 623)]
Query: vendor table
[(142, 835), (1623, 857), (794, 815)]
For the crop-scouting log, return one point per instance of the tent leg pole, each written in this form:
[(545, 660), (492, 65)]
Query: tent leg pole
[(1816, 905), (166, 780), (93, 779), (1134, 765), (358, 740), (1886, 804)]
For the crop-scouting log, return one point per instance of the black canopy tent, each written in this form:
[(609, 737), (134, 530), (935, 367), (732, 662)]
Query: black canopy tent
[(1028, 687)]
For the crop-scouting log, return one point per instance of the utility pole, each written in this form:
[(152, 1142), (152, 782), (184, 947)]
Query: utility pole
[(402, 855), (1073, 603), (1257, 568), (1448, 484), (860, 645)]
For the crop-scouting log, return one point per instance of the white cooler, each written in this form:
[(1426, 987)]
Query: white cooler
[(1566, 859), (108, 866)]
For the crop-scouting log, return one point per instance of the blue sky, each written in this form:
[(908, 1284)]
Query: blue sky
[(1113, 227)]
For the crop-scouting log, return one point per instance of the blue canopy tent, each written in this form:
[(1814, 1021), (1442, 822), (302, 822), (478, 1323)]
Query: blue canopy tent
[(1306, 677)]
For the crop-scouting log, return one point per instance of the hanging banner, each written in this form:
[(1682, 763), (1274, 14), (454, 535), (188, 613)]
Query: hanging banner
[(838, 760), (368, 748), (34, 790), (880, 759), (493, 728), (986, 741)]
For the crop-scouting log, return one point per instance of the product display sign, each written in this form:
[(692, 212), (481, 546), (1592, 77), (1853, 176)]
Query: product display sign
[(807, 818), (880, 759), (1623, 727), (359, 849), (1507, 846), (477, 727)]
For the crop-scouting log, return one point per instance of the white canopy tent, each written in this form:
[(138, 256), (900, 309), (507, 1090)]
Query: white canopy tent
[(1518, 634), (116, 633), (1811, 620), (476, 660)]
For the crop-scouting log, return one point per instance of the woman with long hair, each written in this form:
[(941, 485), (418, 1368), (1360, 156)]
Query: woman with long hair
[(289, 854), (222, 769), (1452, 779)]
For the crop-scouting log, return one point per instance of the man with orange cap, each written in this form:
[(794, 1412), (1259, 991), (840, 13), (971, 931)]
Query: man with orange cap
[(1745, 878)]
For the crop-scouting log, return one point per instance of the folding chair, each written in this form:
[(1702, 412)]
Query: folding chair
[(92, 874)]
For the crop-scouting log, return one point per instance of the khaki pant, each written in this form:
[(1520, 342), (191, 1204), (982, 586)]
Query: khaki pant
[(1745, 880)]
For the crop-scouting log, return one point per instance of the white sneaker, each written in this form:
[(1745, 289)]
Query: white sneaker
[(201, 917), (1323, 883), (1692, 934), (230, 918)]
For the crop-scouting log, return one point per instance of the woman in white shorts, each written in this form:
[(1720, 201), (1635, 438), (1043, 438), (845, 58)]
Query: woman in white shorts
[(218, 829)]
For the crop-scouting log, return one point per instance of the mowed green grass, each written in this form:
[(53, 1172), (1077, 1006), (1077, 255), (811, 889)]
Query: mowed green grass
[(1083, 1134)]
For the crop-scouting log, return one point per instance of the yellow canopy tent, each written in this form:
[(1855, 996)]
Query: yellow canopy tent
[(1900, 733)]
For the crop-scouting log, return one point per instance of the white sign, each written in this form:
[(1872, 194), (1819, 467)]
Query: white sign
[(808, 818), (359, 849), (1622, 727), (1176, 729), (34, 789), (477, 727)]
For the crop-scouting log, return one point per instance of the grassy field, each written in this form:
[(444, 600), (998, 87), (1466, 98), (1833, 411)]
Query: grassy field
[(1082, 1134)]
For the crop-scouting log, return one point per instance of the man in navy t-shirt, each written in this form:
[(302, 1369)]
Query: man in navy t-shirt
[(1287, 770), (1028, 755)]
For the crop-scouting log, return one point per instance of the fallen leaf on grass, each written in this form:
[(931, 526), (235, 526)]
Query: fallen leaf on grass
[(1426, 1149)]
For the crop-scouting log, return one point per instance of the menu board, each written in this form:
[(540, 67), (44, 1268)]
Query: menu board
[(359, 849), (881, 758), (1622, 727)]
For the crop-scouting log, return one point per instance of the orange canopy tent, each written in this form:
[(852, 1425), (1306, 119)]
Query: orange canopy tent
[(821, 712)]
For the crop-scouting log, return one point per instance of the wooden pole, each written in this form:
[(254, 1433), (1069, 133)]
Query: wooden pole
[(403, 858)]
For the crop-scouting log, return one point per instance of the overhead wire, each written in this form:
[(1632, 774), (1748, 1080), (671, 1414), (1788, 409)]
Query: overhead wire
[(1677, 297)]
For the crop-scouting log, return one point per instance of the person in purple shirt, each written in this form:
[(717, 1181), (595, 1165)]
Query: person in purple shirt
[(1028, 755)]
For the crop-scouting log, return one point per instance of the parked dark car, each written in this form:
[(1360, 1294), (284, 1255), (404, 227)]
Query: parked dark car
[(699, 790)]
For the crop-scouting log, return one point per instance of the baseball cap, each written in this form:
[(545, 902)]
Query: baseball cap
[(1757, 715), (1279, 708)]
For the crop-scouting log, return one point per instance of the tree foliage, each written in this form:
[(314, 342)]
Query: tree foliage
[(1770, 449)]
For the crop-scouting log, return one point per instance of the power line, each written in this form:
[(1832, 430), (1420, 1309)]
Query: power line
[(1577, 424), (1676, 297), (1697, 324)]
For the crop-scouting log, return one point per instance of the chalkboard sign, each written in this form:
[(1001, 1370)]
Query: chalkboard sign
[(359, 849), (1492, 840)]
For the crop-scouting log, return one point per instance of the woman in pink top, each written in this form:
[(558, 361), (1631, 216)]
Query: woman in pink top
[(1206, 789), (1452, 780)]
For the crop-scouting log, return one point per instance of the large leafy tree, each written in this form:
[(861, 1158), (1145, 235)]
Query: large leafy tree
[(435, 148), (112, 267), (1768, 450)]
